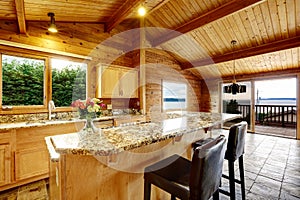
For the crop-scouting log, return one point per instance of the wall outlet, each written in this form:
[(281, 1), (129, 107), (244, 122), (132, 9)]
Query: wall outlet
[(109, 107)]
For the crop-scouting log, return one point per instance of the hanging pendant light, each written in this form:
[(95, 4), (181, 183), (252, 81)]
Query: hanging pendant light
[(234, 88), (52, 28)]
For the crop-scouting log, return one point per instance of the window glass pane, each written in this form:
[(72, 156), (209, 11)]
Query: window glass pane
[(68, 81), (22, 81), (174, 95)]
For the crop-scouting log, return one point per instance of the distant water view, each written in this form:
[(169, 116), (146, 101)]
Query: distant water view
[(268, 92), (270, 101), (276, 101)]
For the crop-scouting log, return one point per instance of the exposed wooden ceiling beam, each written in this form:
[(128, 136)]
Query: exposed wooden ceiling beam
[(263, 75), (158, 6), (126, 9), (248, 52), (20, 9), (213, 15)]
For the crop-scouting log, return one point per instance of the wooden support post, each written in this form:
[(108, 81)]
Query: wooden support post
[(142, 67), (252, 109), (298, 107)]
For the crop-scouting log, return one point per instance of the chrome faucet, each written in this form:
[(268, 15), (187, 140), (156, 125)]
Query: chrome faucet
[(51, 107)]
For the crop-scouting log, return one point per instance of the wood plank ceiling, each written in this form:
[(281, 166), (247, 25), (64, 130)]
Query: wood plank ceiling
[(267, 31)]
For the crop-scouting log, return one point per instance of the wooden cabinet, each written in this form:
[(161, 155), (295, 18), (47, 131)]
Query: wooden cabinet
[(129, 84), (6, 157), (32, 157), (31, 162), (116, 82), (24, 156), (110, 83)]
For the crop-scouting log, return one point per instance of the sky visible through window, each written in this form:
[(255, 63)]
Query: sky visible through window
[(174, 95), (279, 88)]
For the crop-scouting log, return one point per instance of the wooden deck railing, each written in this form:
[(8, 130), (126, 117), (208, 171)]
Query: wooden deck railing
[(271, 115)]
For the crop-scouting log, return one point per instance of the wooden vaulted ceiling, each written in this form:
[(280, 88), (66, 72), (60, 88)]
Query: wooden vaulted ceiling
[(198, 33)]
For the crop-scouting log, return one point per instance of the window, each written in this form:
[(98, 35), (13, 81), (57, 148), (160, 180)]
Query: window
[(28, 81), (22, 81), (68, 81), (174, 96)]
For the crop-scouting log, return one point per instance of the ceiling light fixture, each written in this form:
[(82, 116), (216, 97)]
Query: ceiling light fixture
[(234, 88), (142, 11), (52, 28)]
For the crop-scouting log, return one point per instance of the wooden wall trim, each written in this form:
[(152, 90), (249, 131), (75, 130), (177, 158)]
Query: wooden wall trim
[(36, 48)]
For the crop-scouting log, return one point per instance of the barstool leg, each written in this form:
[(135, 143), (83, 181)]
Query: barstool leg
[(231, 180), (147, 190), (216, 195), (242, 176)]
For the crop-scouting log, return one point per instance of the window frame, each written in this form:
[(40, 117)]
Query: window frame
[(18, 52), (36, 108), (162, 95)]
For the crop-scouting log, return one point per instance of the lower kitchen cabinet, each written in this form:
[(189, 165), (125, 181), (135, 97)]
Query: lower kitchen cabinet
[(24, 157), (6, 157), (31, 162)]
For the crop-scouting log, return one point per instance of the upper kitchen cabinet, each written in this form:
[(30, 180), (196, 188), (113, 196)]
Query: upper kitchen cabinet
[(117, 82)]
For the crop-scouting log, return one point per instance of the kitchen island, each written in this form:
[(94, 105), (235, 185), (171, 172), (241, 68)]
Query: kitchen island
[(109, 164)]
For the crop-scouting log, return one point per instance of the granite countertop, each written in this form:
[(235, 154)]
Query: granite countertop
[(31, 124), (117, 139)]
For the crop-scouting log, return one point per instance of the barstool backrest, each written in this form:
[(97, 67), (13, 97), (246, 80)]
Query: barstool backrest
[(236, 141), (206, 168)]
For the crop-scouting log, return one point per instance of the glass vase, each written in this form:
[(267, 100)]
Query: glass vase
[(89, 126)]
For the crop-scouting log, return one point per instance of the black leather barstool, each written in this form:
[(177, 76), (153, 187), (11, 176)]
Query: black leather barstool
[(198, 179), (234, 151)]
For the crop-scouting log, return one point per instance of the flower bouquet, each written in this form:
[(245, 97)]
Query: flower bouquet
[(88, 109)]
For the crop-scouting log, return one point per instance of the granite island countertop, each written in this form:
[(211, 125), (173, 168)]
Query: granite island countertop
[(114, 140)]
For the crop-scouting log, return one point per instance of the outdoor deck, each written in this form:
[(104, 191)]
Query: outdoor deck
[(276, 131)]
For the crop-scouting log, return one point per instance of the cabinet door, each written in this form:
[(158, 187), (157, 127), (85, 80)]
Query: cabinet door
[(129, 84), (31, 162), (5, 164), (110, 83), (5, 159)]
